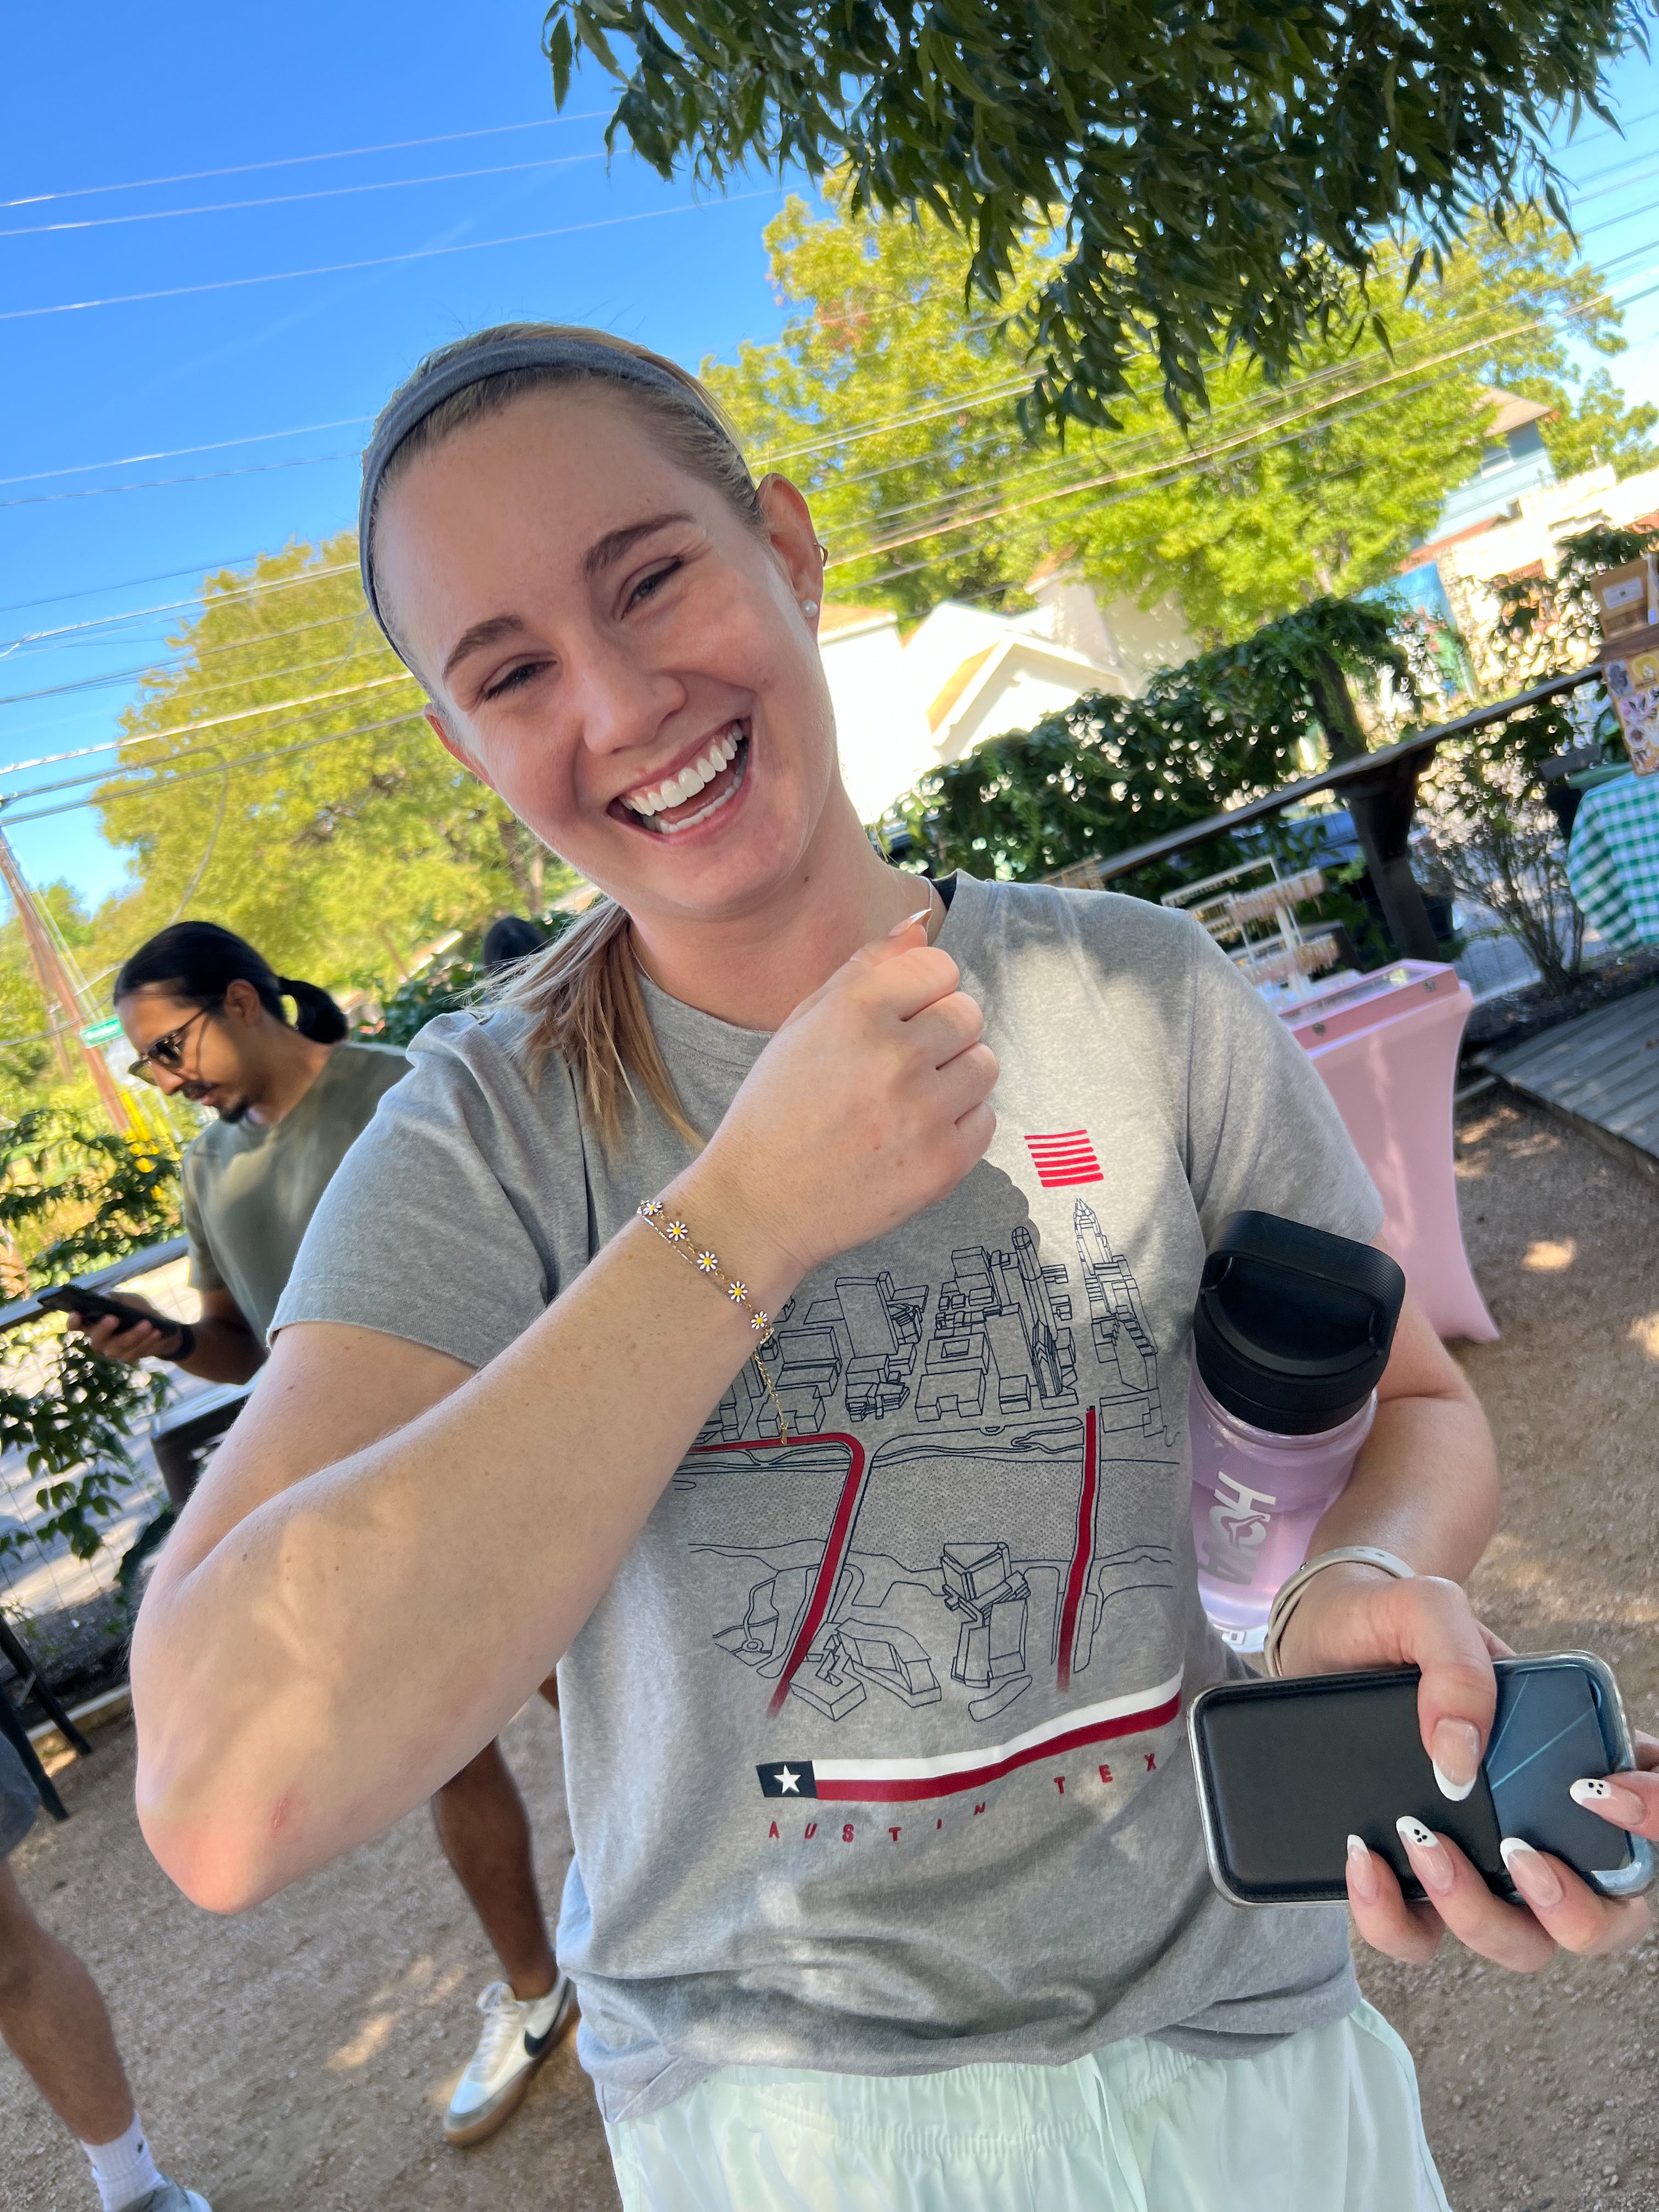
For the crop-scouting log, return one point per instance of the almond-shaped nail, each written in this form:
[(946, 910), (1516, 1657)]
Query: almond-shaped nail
[(1361, 1871), (1531, 1873), (910, 921), (1454, 1751), (1423, 1849), (1607, 1797)]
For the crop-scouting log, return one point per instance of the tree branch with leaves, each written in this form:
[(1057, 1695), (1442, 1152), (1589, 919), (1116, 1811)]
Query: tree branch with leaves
[(1221, 178)]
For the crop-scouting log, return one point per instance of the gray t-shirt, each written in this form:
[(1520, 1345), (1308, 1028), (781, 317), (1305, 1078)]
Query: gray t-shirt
[(873, 1748), (250, 1188)]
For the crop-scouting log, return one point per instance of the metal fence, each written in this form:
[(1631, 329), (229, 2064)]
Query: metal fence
[(1379, 790)]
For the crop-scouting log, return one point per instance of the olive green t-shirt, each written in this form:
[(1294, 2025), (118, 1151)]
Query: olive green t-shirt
[(250, 1187)]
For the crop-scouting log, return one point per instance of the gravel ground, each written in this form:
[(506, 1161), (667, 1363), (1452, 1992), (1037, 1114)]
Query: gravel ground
[(296, 2060), (1542, 2092)]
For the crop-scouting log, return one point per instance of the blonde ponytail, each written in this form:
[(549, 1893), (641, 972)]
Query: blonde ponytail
[(584, 1000)]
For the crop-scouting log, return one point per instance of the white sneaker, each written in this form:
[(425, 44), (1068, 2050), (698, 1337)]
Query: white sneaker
[(517, 2036)]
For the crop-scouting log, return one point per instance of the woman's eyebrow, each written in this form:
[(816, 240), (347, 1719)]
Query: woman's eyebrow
[(481, 634), (615, 542)]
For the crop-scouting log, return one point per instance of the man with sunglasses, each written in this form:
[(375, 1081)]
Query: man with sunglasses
[(206, 1015)]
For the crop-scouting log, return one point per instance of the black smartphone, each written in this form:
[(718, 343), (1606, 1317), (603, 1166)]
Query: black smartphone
[(1287, 1772), (90, 1305)]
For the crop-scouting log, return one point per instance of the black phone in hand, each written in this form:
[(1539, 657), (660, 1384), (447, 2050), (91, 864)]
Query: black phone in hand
[(92, 1306), (1287, 1772)]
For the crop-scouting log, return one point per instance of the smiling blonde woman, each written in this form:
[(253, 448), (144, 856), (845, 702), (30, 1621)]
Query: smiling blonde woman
[(691, 1320)]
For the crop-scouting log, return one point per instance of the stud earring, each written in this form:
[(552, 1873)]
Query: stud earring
[(809, 607)]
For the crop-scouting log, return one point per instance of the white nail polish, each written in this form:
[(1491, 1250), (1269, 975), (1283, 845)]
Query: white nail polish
[(1591, 1793), (1362, 1870), (1456, 1791), (1540, 1888), (1415, 1832)]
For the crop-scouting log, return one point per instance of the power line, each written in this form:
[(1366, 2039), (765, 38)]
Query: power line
[(378, 261), (197, 652), (172, 606), (211, 722), (1203, 460), (181, 453), (1170, 467), (193, 775), (164, 484), (293, 199), (298, 161), (129, 583), (228, 683)]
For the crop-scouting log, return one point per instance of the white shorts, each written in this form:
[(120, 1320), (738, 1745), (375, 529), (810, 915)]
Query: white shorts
[(1327, 2121)]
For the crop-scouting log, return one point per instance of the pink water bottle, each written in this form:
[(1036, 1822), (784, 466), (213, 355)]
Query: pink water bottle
[(1290, 1334)]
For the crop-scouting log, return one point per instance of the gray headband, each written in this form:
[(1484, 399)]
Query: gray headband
[(578, 356)]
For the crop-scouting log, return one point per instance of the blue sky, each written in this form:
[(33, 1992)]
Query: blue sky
[(254, 371)]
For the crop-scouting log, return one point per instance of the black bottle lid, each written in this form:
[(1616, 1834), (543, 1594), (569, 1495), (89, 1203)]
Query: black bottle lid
[(1292, 1326)]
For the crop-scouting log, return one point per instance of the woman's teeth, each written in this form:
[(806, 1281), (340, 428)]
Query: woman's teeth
[(674, 791)]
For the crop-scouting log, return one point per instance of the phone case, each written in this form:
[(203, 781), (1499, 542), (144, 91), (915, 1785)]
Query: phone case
[(1287, 1770)]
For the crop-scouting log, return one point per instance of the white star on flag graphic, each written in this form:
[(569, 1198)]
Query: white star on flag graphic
[(788, 1781)]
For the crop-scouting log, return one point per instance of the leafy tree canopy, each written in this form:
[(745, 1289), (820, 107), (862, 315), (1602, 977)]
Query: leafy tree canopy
[(901, 417), (282, 782), (1221, 177), (1594, 427)]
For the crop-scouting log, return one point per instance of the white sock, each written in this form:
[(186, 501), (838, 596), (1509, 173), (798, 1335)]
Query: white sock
[(123, 2170)]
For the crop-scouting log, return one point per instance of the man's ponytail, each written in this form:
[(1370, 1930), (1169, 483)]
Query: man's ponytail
[(316, 1015), (196, 962)]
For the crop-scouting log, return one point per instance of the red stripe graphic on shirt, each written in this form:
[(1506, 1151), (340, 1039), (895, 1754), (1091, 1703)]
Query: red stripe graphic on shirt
[(840, 1532), (1082, 1552), (1065, 1157), (902, 1781)]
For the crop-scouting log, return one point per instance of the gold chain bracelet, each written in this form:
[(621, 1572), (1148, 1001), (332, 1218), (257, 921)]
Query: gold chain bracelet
[(675, 1233)]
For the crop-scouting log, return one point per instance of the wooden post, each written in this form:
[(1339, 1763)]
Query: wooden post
[(58, 988)]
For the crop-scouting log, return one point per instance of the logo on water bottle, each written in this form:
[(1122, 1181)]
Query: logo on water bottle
[(1238, 1528)]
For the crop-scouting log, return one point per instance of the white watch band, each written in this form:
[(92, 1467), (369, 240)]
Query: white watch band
[(1290, 1593)]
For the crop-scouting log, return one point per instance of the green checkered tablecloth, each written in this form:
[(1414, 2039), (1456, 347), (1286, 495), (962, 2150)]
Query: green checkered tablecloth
[(1613, 861)]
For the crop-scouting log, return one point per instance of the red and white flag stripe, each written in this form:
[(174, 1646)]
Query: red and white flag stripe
[(902, 1781), (1068, 1157)]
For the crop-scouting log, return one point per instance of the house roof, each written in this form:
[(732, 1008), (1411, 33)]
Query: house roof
[(1439, 545), (963, 675), (1513, 411)]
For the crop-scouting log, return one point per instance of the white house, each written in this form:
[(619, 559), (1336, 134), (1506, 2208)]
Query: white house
[(906, 705)]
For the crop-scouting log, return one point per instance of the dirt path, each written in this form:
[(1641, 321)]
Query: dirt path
[(1540, 2093), (296, 2060)]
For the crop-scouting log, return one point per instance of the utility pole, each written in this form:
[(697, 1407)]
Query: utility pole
[(57, 988)]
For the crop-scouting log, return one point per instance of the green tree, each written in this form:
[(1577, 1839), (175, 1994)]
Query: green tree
[(1594, 426), (1222, 175), (900, 416), (74, 1197), (283, 781)]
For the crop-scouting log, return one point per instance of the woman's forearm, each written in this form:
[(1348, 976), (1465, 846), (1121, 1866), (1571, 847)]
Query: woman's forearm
[(1426, 1487), (333, 1632)]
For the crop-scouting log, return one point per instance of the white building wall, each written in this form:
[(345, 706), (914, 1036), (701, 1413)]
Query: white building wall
[(881, 726), (1022, 693)]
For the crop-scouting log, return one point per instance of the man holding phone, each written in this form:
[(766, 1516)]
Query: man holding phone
[(204, 1013)]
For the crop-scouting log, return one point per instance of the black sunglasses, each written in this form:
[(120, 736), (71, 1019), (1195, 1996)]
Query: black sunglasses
[(167, 1051)]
